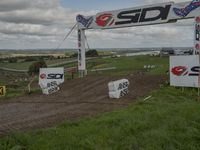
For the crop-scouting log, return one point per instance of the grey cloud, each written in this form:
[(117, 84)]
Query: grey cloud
[(27, 29), (11, 5), (44, 23), (44, 12)]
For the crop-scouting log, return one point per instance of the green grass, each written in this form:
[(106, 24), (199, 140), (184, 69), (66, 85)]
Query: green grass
[(169, 120), (20, 90), (127, 65), (25, 65), (19, 65)]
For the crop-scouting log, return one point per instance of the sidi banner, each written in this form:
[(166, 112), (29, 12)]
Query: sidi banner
[(48, 75), (184, 71), (138, 16)]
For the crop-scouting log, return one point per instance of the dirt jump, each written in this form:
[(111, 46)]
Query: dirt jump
[(77, 98)]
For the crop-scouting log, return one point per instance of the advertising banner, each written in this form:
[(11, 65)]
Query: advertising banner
[(137, 16), (49, 75), (184, 71)]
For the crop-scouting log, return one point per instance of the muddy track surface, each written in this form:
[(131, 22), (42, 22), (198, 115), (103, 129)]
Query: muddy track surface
[(77, 98)]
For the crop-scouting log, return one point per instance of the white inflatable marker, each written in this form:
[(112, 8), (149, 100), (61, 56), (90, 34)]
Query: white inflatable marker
[(118, 88)]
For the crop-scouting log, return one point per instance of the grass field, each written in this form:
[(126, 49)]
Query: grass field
[(123, 64), (168, 120)]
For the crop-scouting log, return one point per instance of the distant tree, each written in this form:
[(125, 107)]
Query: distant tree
[(51, 57), (75, 55), (29, 58), (67, 54), (12, 60), (92, 53), (34, 68)]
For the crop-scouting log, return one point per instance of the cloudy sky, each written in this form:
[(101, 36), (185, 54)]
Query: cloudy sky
[(27, 24)]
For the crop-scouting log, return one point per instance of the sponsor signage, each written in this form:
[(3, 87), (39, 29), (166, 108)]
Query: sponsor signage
[(2, 90), (184, 71), (137, 16), (48, 75), (118, 88)]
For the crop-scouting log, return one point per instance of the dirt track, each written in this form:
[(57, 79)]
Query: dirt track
[(77, 98)]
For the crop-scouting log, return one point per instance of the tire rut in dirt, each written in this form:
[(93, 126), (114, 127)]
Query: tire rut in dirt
[(77, 98)]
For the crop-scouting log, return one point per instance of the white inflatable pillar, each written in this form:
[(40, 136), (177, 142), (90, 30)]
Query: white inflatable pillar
[(81, 53)]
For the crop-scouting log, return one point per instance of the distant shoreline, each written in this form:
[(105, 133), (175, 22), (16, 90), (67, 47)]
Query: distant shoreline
[(99, 49)]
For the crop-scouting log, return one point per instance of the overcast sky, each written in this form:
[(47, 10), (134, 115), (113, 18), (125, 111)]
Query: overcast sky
[(27, 24)]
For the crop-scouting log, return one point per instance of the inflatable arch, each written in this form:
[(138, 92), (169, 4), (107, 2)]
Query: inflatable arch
[(137, 16)]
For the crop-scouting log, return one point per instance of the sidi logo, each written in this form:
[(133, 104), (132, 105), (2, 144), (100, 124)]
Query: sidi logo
[(141, 15), (52, 76), (105, 20), (55, 76), (180, 71), (183, 71), (43, 76)]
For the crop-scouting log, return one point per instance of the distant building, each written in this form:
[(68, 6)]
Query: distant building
[(175, 51), (166, 52)]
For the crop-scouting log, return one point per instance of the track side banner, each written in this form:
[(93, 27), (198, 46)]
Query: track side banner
[(138, 16), (48, 75), (184, 71)]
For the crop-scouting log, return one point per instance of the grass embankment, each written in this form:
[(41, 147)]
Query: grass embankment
[(168, 120)]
